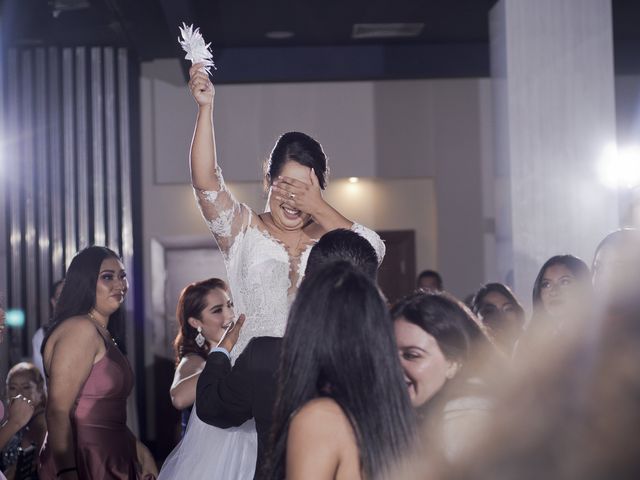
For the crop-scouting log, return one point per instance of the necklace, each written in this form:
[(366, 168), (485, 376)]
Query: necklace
[(104, 328)]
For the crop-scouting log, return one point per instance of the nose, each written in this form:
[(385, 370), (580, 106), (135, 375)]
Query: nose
[(122, 284)]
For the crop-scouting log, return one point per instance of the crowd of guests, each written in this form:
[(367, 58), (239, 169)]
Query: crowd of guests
[(298, 367), (325, 397)]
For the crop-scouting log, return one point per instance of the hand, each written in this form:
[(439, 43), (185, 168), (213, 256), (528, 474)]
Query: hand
[(146, 464), (306, 197), (201, 88), (231, 338), (20, 411)]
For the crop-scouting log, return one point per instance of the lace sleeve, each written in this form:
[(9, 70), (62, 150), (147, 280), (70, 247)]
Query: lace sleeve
[(373, 238), (224, 215)]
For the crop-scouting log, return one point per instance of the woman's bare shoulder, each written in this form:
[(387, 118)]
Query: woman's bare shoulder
[(75, 333), (79, 326), (322, 427), (323, 414)]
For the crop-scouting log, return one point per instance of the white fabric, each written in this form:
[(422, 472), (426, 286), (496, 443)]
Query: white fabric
[(208, 452), (36, 343), (263, 279)]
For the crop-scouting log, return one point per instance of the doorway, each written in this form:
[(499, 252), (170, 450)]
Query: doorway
[(397, 274)]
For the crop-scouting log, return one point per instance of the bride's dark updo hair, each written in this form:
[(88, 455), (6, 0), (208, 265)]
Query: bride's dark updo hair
[(301, 148)]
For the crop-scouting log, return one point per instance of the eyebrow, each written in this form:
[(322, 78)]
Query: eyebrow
[(217, 306), (413, 346)]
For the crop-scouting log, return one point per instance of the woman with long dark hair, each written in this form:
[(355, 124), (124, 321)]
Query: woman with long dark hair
[(342, 409), (204, 313), (89, 378), (444, 353), (498, 309), (561, 295)]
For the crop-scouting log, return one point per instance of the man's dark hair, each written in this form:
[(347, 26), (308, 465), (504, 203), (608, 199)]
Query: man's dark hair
[(431, 274), (343, 245)]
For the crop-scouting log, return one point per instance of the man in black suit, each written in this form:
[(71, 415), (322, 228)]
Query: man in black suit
[(227, 397)]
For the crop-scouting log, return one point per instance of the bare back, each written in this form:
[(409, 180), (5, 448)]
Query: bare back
[(321, 444)]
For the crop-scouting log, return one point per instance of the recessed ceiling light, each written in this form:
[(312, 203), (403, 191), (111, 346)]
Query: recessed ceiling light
[(279, 35)]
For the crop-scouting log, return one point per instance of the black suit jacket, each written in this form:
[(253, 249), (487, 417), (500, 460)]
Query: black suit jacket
[(228, 397)]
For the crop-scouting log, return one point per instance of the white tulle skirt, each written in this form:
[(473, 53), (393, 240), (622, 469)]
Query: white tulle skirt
[(208, 452)]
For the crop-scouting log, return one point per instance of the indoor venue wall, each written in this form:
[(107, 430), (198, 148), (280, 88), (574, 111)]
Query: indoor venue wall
[(69, 127)]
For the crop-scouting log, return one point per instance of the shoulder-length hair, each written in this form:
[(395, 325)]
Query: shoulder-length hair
[(78, 294), (191, 304), (32, 372), (460, 337), (340, 343), (577, 267)]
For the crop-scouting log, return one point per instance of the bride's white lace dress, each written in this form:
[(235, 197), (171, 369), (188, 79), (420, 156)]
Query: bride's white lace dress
[(263, 278)]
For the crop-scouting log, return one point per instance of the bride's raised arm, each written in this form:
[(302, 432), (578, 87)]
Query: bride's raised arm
[(224, 215)]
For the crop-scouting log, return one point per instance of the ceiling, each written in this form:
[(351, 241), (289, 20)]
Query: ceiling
[(321, 29)]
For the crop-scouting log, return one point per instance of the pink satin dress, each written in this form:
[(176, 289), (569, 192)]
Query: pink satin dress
[(105, 448)]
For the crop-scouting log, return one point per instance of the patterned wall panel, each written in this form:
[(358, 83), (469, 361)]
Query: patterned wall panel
[(67, 176)]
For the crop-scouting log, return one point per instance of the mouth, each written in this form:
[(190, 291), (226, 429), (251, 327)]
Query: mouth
[(118, 296), (291, 213), (410, 385), (228, 324)]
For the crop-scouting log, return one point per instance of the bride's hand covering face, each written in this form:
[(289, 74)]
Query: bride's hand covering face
[(298, 194), (295, 196)]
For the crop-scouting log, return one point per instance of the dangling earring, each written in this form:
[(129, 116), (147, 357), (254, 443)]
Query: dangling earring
[(200, 338)]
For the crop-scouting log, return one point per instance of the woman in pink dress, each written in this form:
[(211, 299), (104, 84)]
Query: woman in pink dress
[(89, 378)]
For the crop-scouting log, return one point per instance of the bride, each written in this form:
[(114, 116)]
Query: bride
[(265, 256)]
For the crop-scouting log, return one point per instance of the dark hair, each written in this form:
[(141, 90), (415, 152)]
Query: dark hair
[(341, 344), (301, 148), (458, 333), (31, 371), (432, 274), (577, 267), (191, 304), (78, 294), (54, 287), (52, 293), (478, 298), (347, 245)]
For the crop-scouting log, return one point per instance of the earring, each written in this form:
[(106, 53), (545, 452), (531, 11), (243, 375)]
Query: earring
[(200, 338)]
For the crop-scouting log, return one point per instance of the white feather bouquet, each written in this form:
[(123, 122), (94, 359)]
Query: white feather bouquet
[(197, 51)]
